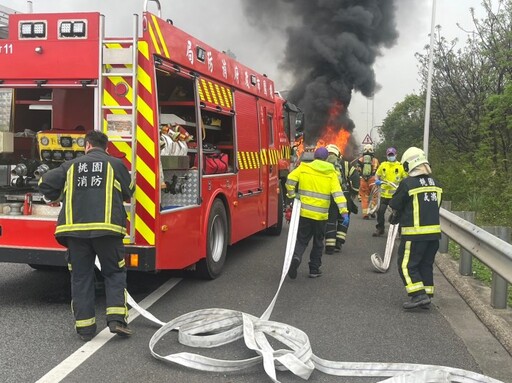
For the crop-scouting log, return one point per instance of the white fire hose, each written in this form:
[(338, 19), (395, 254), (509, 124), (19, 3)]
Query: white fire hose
[(383, 265), (215, 327)]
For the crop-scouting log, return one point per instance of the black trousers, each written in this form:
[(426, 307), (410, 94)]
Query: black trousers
[(81, 255), (381, 213), (310, 228), (335, 231), (415, 266)]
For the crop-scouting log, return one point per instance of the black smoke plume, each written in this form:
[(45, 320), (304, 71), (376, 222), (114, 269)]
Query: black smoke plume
[(331, 48)]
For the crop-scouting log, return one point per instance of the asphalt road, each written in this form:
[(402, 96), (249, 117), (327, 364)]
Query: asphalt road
[(351, 313)]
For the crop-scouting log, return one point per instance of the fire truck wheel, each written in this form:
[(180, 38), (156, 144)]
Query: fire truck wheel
[(216, 243), (278, 227)]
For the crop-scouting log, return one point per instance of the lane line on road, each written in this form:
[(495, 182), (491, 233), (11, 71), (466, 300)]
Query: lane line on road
[(69, 364)]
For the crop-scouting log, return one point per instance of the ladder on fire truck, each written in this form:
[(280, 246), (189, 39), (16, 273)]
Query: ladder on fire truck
[(119, 61)]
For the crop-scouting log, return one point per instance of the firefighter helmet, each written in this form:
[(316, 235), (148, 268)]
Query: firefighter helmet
[(413, 157), (368, 148), (331, 148)]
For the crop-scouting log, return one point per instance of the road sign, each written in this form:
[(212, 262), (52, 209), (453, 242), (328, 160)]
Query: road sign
[(367, 140)]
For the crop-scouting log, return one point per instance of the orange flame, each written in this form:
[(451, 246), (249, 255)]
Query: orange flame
[(333, 132)]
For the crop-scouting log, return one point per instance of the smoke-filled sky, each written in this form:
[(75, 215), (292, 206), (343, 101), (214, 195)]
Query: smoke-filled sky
[(317, 50)]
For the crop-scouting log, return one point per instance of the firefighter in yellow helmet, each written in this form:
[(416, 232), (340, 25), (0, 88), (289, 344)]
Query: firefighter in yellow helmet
[(348, 176), (315, 183), (391, 171), (367, 165), (415, 206)]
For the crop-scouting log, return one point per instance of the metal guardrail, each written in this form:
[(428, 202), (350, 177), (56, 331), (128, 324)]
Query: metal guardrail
[(494, 252)]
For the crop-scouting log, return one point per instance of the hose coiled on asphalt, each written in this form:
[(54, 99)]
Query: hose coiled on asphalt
[(215, 327)]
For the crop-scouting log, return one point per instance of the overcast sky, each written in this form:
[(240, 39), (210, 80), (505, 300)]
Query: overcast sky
[(222, 24)]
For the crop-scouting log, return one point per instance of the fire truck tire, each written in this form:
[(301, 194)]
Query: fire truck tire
[(216, 243), (278, 227)]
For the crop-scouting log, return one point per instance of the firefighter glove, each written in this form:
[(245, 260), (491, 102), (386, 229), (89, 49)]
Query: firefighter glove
[(346, 219), (394, 218)]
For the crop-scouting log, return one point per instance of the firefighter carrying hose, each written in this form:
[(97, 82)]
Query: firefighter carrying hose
[(367, 165), (315, 182), (92, 222), (415, 206), (348, 176)]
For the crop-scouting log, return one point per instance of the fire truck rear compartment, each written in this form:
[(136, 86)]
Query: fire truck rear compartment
[(40, 126)]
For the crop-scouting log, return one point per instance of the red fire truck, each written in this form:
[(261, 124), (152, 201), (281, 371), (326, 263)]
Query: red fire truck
[(61, 77)]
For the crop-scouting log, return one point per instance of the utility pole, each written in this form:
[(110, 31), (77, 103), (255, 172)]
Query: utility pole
[(426, 129)]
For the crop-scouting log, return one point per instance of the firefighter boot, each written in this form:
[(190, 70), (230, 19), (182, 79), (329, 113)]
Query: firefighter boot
[(337, 249), (329, 249), (292, 271), (378, 232), (86, 337), (119, 328), (421, 300), (315, 273)]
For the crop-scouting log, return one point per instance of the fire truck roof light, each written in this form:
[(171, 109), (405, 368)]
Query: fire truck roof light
[(79, 28), (39, 29), (72, 28), (33, 30), (65, 28)]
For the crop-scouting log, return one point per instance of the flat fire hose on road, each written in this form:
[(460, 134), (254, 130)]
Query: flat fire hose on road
[(383, 265), (215, 327)]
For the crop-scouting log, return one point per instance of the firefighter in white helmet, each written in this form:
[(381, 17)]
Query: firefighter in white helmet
[(415, 206), (336, 228), (367, 165)]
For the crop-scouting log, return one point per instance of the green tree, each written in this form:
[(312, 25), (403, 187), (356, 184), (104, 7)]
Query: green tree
[(403, 126)]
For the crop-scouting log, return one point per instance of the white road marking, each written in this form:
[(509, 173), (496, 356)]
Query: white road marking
[(69, 364)]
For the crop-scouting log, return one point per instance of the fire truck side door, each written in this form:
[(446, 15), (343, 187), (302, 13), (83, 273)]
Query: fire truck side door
[(273, 168)]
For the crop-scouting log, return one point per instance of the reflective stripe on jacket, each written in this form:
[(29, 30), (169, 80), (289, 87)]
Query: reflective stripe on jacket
[(316, 182), (417, 201), (391, 172), (93, 189)]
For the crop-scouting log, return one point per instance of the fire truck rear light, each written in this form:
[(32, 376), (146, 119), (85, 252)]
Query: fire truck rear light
[(133, 260)]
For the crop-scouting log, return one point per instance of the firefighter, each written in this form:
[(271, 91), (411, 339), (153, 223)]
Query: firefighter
[(315, 183), (367, 165), (391, 171), (92, 222), (348, 176), (415, 206)]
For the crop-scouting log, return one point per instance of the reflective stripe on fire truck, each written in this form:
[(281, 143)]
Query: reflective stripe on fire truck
[(215, 93), (145, 223), (255, 160), (159, 34)]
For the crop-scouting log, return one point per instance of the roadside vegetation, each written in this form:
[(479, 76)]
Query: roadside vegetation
[(470, 146)]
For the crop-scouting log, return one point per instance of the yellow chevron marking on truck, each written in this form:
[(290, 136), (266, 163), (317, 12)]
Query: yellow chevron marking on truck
[(159, 32)]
